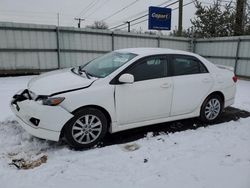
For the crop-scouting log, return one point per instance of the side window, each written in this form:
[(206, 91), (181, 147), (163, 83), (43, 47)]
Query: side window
[(203, 69), (151, 68), (186, 65)]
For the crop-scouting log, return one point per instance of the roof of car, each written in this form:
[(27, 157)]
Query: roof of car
[(158, 51), (153, 51)]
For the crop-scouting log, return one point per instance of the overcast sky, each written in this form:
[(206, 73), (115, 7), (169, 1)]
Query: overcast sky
[(45, 11)]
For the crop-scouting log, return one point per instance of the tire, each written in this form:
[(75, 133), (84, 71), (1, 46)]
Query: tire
[(86, 128), (211, 109)]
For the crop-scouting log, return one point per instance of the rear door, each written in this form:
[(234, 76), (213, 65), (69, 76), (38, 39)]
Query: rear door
[(192, 82)]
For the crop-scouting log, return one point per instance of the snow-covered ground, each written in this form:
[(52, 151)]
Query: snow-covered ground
[(213, 157)]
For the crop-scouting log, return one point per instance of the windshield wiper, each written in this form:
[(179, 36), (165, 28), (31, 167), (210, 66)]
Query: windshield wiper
[(80, 70)]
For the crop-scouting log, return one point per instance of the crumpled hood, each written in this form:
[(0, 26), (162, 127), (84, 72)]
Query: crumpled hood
[(58, 81)]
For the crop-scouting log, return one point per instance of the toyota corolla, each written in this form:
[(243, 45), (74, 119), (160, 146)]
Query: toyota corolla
[(121, 90)]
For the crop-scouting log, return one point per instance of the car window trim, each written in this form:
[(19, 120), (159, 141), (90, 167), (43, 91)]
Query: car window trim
[(115, 80), (172, 56)]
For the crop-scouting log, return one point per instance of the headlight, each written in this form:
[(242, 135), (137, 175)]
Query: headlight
[(51, 101)]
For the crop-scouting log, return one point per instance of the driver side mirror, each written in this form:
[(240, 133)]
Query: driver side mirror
[(126, 78)]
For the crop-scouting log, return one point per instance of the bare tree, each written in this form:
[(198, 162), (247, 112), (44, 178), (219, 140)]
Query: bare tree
[(98, 25)]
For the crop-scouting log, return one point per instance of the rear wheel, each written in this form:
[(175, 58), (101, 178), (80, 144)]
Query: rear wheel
[(86, 128), (211, 109)]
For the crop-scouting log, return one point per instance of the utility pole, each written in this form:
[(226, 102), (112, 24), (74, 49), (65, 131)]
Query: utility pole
[(239, 17), (58, 19), (128, 22), (180, 17), (79, 21)]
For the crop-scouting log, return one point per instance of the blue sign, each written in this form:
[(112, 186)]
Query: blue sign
[(159, 18)]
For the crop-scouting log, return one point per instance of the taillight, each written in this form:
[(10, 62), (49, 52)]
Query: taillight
[(235, 79)]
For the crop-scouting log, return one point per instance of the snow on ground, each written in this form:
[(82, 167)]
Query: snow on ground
[(216, 156)]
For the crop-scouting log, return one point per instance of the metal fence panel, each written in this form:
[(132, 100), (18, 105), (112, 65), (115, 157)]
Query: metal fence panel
[(243, 68), (27, 47), (220, 61), (244, 48), (75, 59), (230, 51), (179, 45), (132, 42), (16, 39), (216, 48), (47, 60), (83, 41), (28, 60)]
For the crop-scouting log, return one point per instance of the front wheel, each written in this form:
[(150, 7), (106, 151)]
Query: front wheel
[(211, 109), (86, 128)]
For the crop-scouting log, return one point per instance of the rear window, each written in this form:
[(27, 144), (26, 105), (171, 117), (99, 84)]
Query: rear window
[(187, 65)]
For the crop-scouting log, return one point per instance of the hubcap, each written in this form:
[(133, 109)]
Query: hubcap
[(212, 109), (86, 129)]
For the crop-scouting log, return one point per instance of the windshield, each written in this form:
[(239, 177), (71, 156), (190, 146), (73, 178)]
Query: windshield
[(106, 64)]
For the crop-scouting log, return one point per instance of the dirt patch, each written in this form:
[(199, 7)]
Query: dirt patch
[(28, 164), (131, 147)]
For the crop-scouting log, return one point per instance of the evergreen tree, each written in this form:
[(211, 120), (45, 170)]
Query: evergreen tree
[(215, 20), (188, 33), (247, 19)]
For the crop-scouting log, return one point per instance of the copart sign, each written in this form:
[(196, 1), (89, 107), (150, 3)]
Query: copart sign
[(159, 18)]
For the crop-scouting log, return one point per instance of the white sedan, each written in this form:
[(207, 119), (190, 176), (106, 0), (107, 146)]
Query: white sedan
[(121, 90)]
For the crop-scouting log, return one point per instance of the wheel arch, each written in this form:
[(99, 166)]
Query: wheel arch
[(214, 93), (218, 93), (103, 110)]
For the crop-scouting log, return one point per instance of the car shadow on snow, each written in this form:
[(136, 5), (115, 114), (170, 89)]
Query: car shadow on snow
[(229, 114), (36, 157)]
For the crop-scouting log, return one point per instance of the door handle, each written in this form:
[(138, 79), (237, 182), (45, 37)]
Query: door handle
[(166, 85)]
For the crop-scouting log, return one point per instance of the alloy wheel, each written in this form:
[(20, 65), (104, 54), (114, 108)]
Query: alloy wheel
[(86, 129), (212, 109)]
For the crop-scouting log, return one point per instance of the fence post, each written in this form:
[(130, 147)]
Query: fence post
[(58, 47), (158, 42), (237, 56), (112, 41), (192, 44)]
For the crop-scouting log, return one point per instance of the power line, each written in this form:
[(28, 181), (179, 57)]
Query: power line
[(142, 12), (165, 2), (122, 9), (147, 18), (142, 16), (88, 7), (94, 11)]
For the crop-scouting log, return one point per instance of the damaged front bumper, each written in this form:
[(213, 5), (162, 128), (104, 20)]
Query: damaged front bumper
[(39, 120)]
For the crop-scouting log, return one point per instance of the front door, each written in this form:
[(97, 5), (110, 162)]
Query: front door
[(149, 97)]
